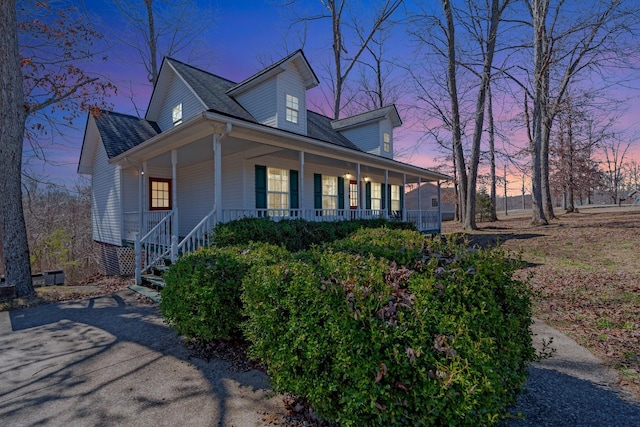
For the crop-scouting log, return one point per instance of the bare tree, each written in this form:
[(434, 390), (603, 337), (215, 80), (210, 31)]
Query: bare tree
[(40, 76), (347, 51), (615, 151), (567, 44), (162, 28), (482, 24)]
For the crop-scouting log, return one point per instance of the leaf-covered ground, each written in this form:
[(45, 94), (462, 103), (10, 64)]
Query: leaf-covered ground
[(584, 269)]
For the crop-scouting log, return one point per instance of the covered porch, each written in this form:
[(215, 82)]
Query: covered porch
[(178, 185)]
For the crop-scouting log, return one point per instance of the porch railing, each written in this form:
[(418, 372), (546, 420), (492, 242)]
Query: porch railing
[(131, 221), (153, 246), (425, 221), (319, 215), (199, 236)]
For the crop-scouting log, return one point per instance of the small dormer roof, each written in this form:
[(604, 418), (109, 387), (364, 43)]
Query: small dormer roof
[(297, 58), (390, 112)]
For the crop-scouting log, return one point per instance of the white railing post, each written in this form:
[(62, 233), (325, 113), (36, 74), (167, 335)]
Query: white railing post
[(174, 248), (138, 259)]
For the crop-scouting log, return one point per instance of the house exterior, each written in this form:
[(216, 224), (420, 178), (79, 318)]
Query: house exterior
[(211, 150)]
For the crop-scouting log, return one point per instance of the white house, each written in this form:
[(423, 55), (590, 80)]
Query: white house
[(211, 150)]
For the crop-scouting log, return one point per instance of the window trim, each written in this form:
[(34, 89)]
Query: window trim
[(169, 194), (292, 108), (392, 199), (376, 190)]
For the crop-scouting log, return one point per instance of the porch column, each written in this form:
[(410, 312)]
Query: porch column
[(419, 205), (440, 209), (359, 210), (387, 194), (174, 191), (217, 176), (402, 208), (140, 200), (145, 198), (301, 184)]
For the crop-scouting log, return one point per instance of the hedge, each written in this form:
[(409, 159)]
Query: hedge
[(441, 339), (201, 299)]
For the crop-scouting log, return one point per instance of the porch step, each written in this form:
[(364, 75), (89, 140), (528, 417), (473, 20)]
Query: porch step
[(154, 280), (147, 292), (160, 269)]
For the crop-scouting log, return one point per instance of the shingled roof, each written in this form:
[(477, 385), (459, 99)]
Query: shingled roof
[(212, 90), (121, 132)]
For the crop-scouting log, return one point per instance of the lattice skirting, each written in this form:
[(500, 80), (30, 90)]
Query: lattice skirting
[(117, 260)]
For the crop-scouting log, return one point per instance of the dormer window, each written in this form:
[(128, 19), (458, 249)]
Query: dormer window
[(177, 114), (292, 109), (386, 140)]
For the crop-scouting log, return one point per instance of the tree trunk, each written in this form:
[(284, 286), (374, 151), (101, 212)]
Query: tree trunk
[(456, 132), (539, 9), (17, 265), (492, 157), (153, 43)]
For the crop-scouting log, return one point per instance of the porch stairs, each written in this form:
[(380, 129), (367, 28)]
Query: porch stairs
[(152, 282), (161, 249)]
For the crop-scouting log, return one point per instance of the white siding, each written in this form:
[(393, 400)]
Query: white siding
[(106, 206), (233, 179), (178, 92), (130, 190), (290, 82), (260, 102), (195, 194), (367, 137)]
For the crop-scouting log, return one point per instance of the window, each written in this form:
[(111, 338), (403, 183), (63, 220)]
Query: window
[(277, 189), (292, 109), (376, 197), (434, 202), (353, 194), (329, 192), (395, 197), (159, 194), (386, 139), (176, 115)]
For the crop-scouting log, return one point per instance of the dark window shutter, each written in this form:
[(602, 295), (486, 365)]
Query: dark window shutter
[(340, 192), (383, 197), (317, 191), (389, 199), (401, 198), (367, 195), (293, 189), (261, 187)]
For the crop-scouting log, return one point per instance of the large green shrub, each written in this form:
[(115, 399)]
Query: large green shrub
[(201, 299), (441, 340), (295, 234)]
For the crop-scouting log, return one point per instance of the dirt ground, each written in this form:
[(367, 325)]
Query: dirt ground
[(584, 269)]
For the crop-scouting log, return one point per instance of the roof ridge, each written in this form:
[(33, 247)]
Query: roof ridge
[(200, 70)]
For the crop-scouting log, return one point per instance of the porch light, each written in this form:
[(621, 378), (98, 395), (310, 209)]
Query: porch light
[(366, 179), (347, 175)]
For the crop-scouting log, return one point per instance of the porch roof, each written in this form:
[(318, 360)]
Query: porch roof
[(209, 123)]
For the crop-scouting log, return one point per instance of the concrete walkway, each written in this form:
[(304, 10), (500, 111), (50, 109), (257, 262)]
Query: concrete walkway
[(109, 361), (572, 388)]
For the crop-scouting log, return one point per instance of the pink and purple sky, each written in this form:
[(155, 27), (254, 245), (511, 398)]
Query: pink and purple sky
[(243, 38)]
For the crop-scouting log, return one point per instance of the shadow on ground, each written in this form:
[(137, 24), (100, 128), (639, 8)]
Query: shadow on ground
[(111, 360), (551, 398)]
